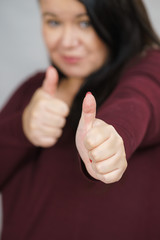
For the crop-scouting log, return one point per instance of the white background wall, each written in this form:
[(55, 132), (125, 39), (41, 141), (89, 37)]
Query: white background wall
[(22, 51), (21, 47)]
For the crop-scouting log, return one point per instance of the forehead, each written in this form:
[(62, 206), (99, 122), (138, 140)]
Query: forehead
[(62, 6)]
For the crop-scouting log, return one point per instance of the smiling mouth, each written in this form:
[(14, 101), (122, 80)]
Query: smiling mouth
[(71, 60)]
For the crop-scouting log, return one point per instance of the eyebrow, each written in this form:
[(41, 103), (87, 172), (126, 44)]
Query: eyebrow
[(54, 15)]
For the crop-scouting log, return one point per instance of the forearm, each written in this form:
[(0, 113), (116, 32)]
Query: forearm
[(14, 147)]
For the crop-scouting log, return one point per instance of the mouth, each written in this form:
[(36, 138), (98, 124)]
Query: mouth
[(71, 59)]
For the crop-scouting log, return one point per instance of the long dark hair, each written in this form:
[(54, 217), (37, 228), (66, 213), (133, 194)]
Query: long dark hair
[(126, 29)]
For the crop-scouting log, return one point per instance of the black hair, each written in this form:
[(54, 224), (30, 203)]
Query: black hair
[(126, 29)]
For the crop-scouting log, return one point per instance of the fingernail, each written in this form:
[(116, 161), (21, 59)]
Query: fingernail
[(50, 67), (88, 93)]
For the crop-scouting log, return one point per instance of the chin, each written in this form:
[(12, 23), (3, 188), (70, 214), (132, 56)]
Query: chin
[(72, 74)]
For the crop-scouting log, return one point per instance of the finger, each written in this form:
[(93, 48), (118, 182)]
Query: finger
[(112, 177), (55, 120), (88, 111), (51, 132), (48, 132), (99, 133), (46, 142), (56, 106), (103, 151), (107, 166), (51, 81)]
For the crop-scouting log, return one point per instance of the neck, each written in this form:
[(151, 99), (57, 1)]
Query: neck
[(68, 88)]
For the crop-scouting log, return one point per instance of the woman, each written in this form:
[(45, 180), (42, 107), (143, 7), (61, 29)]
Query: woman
[(64, 172)]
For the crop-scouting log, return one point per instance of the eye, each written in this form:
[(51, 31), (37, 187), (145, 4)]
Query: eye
[(85, 24), (53, 23)]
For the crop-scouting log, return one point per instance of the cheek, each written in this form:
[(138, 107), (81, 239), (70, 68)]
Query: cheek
[(99, 56), (102, 51), (98, 49), (103, 54), (49, 39), (45, 37)]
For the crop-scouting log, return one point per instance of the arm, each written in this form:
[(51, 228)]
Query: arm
[(130, 121), (38, 123), (133, 110), (14, 147)]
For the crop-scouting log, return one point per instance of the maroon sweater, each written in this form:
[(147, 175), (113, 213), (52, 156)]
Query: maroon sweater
[(47, 195)]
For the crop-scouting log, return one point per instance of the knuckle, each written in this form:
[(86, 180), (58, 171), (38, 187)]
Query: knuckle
[(109, 180), (49, 142), (110, 128), (125, 165), (112, 178), (32, 126), (41, 104), (52, 142), (62, 122), (120, 141), (97, 135), (94, 154), (123, 161), (34, 115), (65, 110), (117, 177), (106, 179), (90, 137), (34, 121), (99, 168), (59, 133), (88, 142), (56, 133)]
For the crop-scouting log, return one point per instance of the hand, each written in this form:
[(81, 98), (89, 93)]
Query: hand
[(45, 116), (99, 145)]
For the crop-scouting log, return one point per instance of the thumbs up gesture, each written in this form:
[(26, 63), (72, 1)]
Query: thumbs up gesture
[(101, 148), (45, 116)]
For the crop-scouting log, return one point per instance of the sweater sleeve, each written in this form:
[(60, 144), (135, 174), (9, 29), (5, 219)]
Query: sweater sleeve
[(133, 108), (14, 146)]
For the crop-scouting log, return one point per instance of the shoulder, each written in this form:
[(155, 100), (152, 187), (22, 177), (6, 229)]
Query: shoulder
[(139, 83), (22, 95), (29, 86), (33, 82), (148, 63), (133, 106), (142, 74)]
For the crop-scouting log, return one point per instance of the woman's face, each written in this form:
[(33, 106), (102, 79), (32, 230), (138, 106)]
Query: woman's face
[(72, 43)]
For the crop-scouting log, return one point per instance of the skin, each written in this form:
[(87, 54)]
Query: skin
[(100, 146), (76, 49), (71, 41)]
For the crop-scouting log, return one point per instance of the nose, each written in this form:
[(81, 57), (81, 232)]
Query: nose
[(69, 37)]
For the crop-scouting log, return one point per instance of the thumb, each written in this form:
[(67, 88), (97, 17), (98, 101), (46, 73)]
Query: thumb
[(51, 81), (88, 110)]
